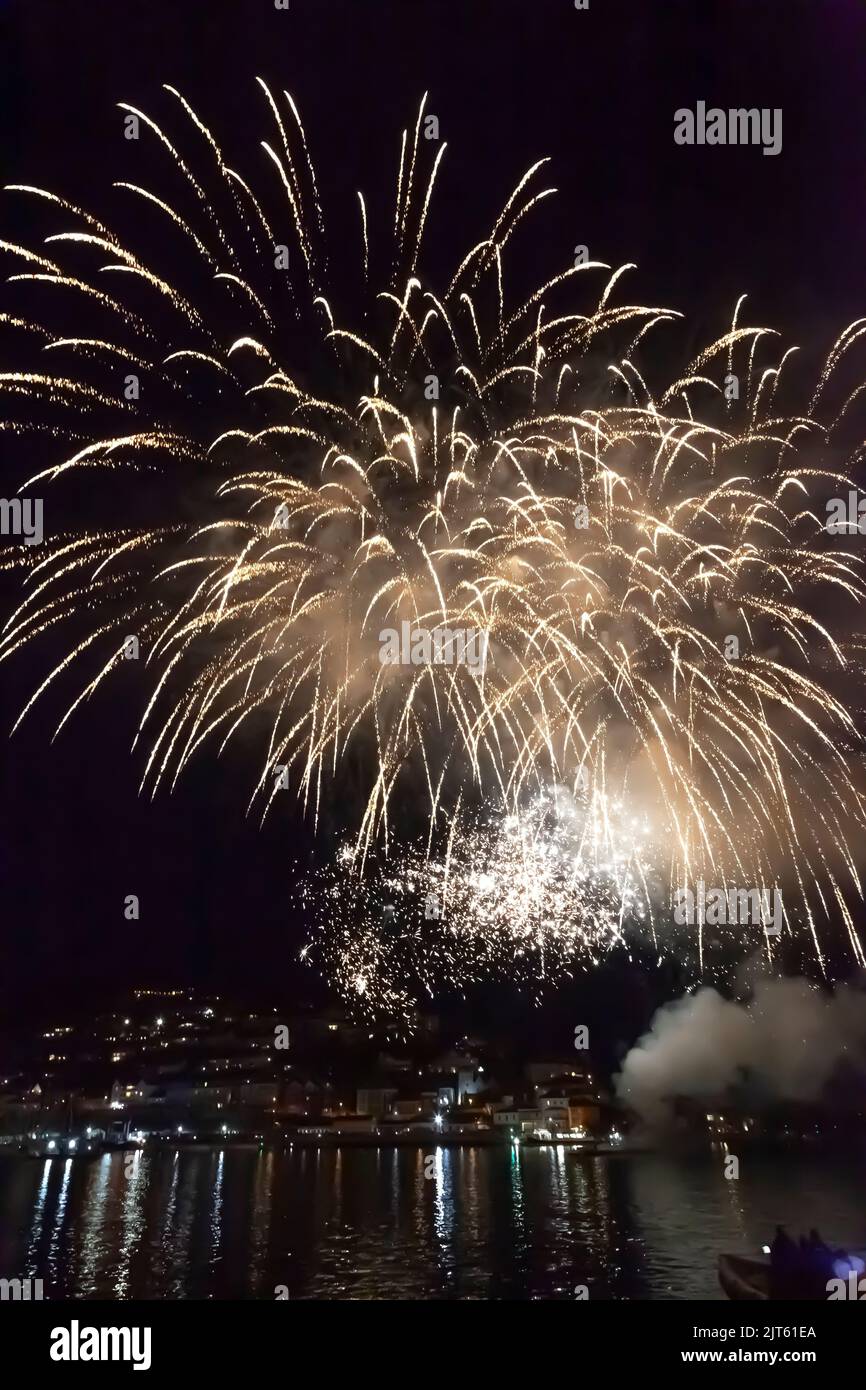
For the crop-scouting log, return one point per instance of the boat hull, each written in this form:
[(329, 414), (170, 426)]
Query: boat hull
[(744, 1279)]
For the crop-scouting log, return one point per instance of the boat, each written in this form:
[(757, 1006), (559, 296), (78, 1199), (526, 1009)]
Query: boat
[(745, 1278), (119, 1137), (575, 1143), (60, 1146)]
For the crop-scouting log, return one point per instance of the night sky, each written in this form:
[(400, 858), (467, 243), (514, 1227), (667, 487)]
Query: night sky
[(510, 80)]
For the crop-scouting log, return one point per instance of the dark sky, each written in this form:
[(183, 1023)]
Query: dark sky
[(510, 80)]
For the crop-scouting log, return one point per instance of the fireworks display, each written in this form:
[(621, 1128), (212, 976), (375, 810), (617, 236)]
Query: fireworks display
[(672, 648), (525, 897)]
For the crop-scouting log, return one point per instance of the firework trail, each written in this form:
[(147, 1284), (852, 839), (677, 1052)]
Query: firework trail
[(668, 625)]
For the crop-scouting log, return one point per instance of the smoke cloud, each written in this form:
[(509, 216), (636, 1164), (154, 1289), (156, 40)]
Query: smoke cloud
[(785, 1042)]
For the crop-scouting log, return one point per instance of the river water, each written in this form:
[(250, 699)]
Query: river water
[(484, 1223)]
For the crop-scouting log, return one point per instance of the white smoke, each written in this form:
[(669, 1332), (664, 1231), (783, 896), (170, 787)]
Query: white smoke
[(787, 1041)]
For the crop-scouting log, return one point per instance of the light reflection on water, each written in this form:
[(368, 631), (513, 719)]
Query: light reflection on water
[(405, 1223)]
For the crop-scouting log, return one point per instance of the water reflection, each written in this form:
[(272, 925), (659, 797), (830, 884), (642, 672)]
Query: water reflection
[(30, 1259), (403, 1223), (129, 1181), (93, 1204)]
